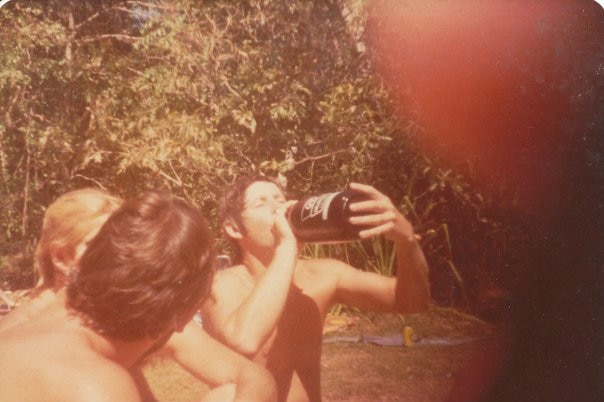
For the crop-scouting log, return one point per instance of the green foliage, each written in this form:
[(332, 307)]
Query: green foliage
[(187, 95)]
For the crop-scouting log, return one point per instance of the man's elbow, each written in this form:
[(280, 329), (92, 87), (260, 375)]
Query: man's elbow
[(246, 346), (239, 340)]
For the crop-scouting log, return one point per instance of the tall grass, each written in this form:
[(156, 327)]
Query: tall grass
[(377, 255), (374, 255)]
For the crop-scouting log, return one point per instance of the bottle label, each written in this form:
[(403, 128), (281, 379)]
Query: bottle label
[(318, 205)]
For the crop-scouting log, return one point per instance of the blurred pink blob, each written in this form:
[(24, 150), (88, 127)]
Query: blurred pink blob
[(497, 82)]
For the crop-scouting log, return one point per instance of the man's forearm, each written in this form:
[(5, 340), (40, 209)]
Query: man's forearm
[(253, 322), (255, 384), (412, 281)]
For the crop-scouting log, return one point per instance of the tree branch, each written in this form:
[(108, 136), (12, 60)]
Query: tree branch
[(39, 117), (9, 111), (90, 179), (230, 88), (26, 184), (120, 37), (316, 158), (175, 174), (152, 5), (170, 178), (87, 20), (99, 13), (135, 71)]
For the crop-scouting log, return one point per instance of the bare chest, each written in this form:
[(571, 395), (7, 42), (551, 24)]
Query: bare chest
[(297, 339)]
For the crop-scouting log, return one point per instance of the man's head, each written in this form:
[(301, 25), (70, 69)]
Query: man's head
[(146, 271), (246, 208)]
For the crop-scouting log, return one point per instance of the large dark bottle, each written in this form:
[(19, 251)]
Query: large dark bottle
[(324, 218)]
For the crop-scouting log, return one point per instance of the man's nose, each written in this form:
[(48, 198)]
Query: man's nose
[(275, 205)]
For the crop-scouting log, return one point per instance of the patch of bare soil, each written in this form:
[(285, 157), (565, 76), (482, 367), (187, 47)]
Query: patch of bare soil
[(444, 344)]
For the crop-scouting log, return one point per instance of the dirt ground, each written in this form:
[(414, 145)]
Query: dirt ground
[(445, 343)]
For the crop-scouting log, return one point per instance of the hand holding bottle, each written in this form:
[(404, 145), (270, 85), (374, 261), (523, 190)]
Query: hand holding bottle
[(356, 213), (379, 214), (324, 218)]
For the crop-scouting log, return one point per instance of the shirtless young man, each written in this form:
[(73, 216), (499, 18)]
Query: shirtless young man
[(271, 307), (140, 279), (69, 223)]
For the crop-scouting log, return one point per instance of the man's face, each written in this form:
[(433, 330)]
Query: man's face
[(259, 204)]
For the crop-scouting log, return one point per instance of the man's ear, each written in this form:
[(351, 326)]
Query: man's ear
[(62, 261), (232, 229)]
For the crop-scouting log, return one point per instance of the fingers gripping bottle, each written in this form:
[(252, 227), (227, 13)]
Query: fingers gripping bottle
[(324, 218)]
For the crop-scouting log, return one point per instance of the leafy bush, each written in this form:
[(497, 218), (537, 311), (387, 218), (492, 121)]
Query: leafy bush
[(187, 95)]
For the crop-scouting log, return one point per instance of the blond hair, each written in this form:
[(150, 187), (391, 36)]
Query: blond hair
[(67, 223)]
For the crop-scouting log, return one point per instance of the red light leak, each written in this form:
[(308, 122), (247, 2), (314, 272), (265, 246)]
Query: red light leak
[(498, 82)]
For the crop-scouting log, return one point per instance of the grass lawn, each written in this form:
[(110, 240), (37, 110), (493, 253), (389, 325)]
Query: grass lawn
[(445, 341)]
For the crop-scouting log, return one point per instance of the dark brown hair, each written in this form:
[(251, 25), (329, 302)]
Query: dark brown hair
[(149, 266), (232, 203)]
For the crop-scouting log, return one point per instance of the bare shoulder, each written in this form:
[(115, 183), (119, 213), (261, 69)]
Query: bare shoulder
[(61, 374), (324, 269), (101, 382), (28, 310), (228, 287), (324, 266), (229, 280)]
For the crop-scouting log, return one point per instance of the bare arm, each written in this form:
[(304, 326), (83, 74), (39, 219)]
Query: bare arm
[(410, 293), (245, 320), (412, 283), (215, 364)]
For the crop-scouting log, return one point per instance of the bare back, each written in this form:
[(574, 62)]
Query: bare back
[(55, 362)]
